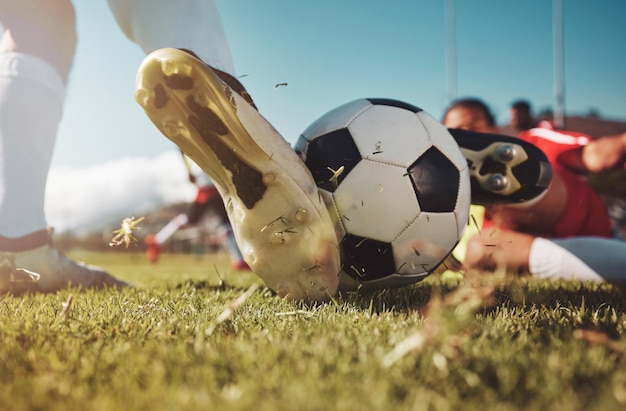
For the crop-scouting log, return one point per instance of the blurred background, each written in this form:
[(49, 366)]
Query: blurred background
[(566, 58)]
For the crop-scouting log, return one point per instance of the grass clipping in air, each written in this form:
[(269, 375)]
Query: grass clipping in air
[(192, 335)]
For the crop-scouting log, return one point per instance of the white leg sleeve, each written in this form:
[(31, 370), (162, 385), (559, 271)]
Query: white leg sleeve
[(605, 256), (31, 104), (191, 24), (548, 260)]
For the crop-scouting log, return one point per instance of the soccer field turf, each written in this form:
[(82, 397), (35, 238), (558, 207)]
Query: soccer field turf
[(193, 335)]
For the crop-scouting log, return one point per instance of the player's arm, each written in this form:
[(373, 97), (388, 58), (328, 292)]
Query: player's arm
[(601, 154), (605, 153)]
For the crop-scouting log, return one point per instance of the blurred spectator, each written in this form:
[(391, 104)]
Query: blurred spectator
[(521, 118)]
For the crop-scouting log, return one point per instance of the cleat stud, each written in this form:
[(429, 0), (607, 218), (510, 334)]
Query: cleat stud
[(172, 128), (268, 178), (505, 153), (200, 98), (173, 68), (301, 215), (142, 97), (278, 238), (496, 182), (251, 258), (169, 68)]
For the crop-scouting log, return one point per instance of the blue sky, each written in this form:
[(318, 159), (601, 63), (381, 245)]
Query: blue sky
[(333, 51)]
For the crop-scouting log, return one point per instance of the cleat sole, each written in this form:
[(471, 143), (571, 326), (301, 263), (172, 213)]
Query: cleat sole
[(281, 225)]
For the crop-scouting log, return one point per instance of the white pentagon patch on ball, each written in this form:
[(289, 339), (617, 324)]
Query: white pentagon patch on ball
[(396, 184)]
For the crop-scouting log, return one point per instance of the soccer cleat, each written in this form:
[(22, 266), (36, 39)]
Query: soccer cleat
[(13, 280), (503, 169), (46, 269), (153, 249), (281, 224)]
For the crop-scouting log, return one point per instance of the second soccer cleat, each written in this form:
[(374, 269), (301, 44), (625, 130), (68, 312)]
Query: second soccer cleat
[(503, 169), (46, 269)]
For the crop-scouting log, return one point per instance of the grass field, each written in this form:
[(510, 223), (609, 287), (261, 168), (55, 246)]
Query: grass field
[(192, 335)]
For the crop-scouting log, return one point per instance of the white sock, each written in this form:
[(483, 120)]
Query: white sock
[(548, 260), (31, 103), (192, 24)]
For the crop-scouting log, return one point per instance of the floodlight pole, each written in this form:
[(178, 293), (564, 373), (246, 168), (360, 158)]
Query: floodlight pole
[(558, 87), (450, 51)]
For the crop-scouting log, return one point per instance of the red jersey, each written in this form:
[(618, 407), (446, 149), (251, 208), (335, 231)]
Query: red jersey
[(554, 142), (585, 213)]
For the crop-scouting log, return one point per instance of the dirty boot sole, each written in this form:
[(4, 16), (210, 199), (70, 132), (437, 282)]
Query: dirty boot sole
[(280, 222)]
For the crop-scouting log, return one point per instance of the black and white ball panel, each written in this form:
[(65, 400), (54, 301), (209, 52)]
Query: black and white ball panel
[(334, 153), (446, 144), (335, 119), (397, 187), (399, 146), (425, 243), (385, 193), (433, 177)]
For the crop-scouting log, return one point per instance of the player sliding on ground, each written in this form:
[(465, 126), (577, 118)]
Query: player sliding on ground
[(566, 233)]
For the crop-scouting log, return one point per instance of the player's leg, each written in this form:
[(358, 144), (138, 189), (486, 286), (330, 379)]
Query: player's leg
[(281, 224), (503, 169), (192, 24), (33, 87), (36, 52), (580, 258), (45, 30)]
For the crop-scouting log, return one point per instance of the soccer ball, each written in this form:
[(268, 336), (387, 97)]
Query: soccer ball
[(396, 185)]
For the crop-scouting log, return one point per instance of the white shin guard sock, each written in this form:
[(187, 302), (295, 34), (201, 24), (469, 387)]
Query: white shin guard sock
[(31, 104), (191, 24)]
